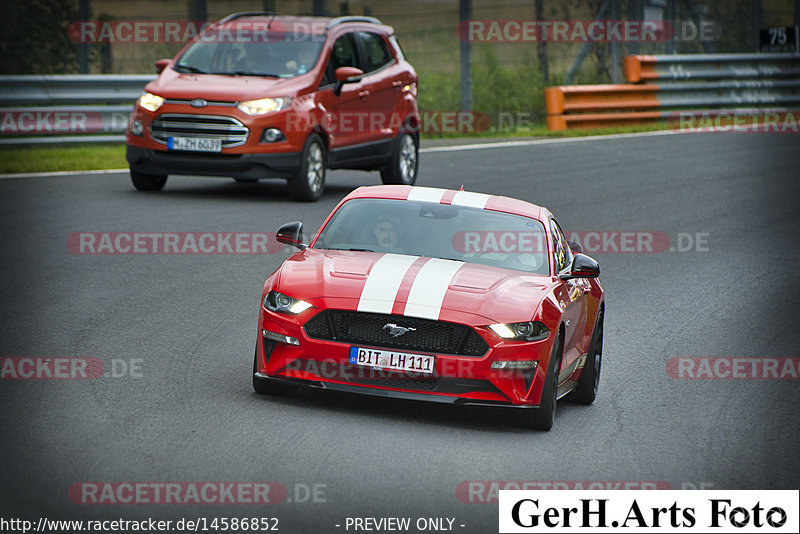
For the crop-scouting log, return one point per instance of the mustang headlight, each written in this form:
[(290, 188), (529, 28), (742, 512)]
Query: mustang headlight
[(278, 302), (528, 331), (264, 105), (150, 102)]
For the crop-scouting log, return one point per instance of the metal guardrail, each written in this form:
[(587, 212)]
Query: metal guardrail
[(710, 66), (713, 81), (67, 108)]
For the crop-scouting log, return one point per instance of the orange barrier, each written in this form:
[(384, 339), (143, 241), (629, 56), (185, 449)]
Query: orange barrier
[(601, 120), (581, 98), (640, 68), (567, 106)]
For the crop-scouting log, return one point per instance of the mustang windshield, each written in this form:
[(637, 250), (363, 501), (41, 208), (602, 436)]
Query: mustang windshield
[(439, 231), (271, 54)]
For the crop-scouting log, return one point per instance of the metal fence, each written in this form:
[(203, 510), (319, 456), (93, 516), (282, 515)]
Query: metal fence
[(67, 108)]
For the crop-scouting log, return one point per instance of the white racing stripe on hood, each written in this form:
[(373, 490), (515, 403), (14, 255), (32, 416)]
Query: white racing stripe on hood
[(383, 281), (470, 199), (429, 287), (426, 194)]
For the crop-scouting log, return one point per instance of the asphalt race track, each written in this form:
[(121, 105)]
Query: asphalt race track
[(176, 333)]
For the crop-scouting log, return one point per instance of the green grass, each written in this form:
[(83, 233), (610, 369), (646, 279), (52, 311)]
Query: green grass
[(63, 158), (94, 157)]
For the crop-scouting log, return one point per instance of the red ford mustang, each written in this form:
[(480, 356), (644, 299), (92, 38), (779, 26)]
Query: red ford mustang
[(437, 295)]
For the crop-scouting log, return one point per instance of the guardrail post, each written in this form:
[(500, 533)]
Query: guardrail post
[(464, 14), (756, 24), (84, 11), (198, 10), (672, 19), (616, 73), (541, 46), (797, 15)]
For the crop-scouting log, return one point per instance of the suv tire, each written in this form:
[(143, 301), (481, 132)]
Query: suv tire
[(148, 182), (402, 166), (309, 182)]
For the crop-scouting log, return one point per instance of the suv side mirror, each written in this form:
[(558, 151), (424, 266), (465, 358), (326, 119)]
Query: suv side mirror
[(346, 75), (582, 267), (161, 64), (291, 234)]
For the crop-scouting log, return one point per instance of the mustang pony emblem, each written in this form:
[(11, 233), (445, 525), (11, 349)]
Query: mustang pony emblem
[(397, 331)]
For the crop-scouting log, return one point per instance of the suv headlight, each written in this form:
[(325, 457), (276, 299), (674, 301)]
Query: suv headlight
[(150, 102), (264, 105), (528, 331), (278, 302)]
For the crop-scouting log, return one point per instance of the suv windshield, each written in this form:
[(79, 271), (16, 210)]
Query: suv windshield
[(273, 54), (439, 231)]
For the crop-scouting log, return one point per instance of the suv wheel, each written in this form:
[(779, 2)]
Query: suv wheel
[(309, 182), (402, 167), (148, 182)]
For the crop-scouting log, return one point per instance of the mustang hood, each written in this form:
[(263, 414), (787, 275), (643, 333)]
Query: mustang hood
[(412, 286)]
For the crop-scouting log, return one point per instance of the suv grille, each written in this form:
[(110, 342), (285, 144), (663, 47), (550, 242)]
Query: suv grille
[(231, 131), (368, 329)]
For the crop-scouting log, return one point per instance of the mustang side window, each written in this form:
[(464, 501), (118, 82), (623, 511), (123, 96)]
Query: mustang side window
[(562, 252), (559, 252)]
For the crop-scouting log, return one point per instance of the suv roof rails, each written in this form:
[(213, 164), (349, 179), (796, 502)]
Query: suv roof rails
[(351, 18), (249, 14)]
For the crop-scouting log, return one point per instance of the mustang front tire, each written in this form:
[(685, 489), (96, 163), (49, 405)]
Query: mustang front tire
[(586, 390), (542, 418)]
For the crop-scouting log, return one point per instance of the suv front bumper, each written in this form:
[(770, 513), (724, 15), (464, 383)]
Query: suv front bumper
[(241, 166)]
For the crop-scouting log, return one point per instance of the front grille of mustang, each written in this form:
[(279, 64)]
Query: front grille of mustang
[(399, 383), (231, 131), (368, 329), (367, 376)]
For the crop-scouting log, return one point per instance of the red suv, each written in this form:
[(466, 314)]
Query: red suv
[(257, 95)]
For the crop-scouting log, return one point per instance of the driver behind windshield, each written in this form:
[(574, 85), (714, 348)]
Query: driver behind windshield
[(388, 233)]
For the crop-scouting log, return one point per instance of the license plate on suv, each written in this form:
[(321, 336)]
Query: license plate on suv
[(389, 360), (196, 144)]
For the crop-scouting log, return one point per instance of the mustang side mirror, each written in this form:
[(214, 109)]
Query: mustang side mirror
[(291, 234), (161, 64), (582, 267), (346, 75)]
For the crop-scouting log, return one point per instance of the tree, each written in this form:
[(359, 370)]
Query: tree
[(33, 37)]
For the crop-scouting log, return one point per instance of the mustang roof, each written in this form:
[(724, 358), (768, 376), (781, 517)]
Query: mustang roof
[(451, 196)]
